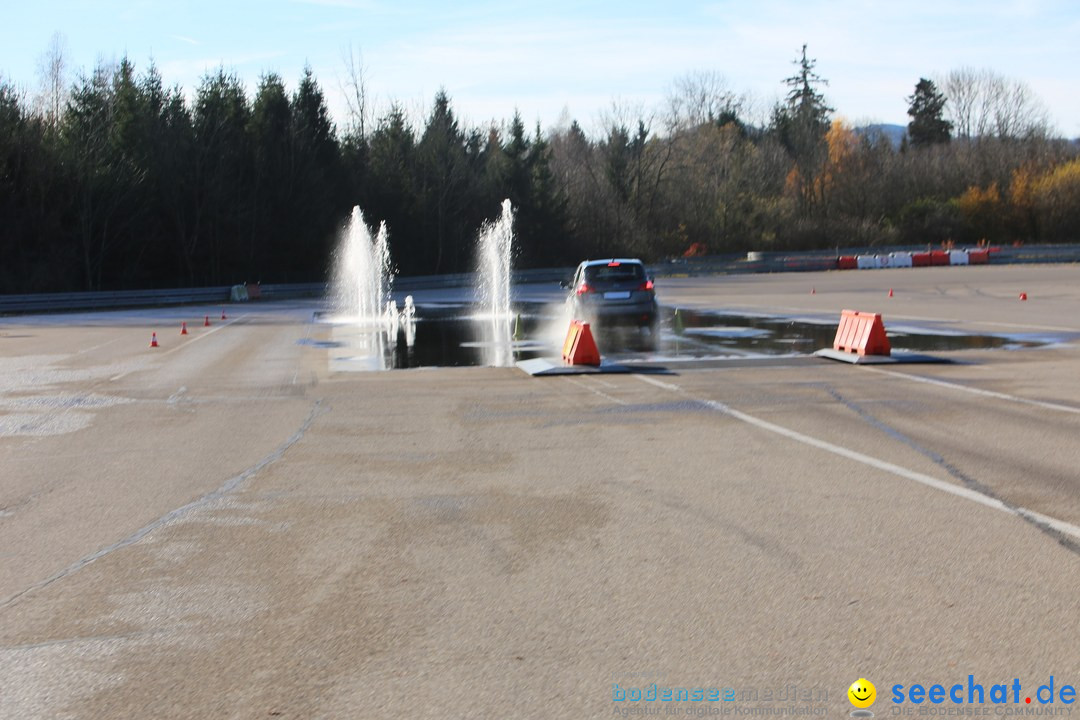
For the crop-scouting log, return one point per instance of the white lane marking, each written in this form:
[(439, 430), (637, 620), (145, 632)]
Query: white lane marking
[(185, 344), (203, 336), (1026, 326), (957, 490), (939, 320), (591, 389), (95, 347), (1060, 525), (975, 391), (598, 381)]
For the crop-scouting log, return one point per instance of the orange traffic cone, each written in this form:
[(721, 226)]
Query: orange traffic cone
[(153, 340), (890, 292), (222, 313), (206, 322), (1023, 296), (580, 347), (813, 291), (183, 328)]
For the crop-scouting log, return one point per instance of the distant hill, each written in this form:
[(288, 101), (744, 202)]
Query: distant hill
[(895, 133)]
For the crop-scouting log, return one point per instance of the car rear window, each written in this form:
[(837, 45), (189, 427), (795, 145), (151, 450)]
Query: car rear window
[(614, 273)]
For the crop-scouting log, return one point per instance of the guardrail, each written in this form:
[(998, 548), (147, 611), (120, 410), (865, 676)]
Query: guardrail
[(42, 302), (764, 262)]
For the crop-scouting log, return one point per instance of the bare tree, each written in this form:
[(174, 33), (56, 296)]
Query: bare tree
[(1019, 112), (354, 88), (985, 104), (52, 81), (625, 113), (702, 97), (962, 90)]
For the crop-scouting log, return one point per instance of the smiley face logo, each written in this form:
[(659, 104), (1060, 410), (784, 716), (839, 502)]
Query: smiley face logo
[(862, 693)]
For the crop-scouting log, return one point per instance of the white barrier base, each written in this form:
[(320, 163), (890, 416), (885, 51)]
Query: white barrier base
[(554, 366), (898, 357)]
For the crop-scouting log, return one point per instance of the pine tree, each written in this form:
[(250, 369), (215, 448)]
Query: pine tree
[(928, 125), (100, 124), (319, 190), (550, 236), (803, 119), (222, 177), (393, 194), (274, 181), (801, 124), (445, 180)]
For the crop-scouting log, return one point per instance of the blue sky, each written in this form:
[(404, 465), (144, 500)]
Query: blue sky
[(583, 56)]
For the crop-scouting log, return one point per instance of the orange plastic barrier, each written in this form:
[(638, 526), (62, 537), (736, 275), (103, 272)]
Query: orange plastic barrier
[(861, 333), (939, 257), (846, 262), (579, 347), (978, 257), (254, 291), (920, 259)]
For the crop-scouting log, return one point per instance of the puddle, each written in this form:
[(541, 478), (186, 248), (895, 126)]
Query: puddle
[(441, 335), (776, 335), (446, 335)]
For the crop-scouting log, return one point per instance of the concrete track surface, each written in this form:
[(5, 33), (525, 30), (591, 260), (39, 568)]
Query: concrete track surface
[(222, 528)]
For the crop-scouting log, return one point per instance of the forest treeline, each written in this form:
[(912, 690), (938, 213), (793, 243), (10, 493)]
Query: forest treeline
[(117, 182)]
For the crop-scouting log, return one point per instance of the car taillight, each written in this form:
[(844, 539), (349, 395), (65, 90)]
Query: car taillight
[(584, 288), (647, 285)]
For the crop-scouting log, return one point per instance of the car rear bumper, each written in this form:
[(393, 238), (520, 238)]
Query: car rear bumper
[(606, 313)]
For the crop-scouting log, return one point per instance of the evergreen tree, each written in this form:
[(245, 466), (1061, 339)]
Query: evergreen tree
[(131, 227), (928, 125), (99, 128), (222, 176), (445, 180), (174, 144), (803, 119), (801, 124), (393, 192), (624, 153), (319, 192), (35, 243), (516, 180), (356, 168), (550, 242), (273, 187)]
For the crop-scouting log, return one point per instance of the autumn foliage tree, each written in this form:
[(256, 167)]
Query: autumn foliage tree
[(984, 213), (1056, 198)]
